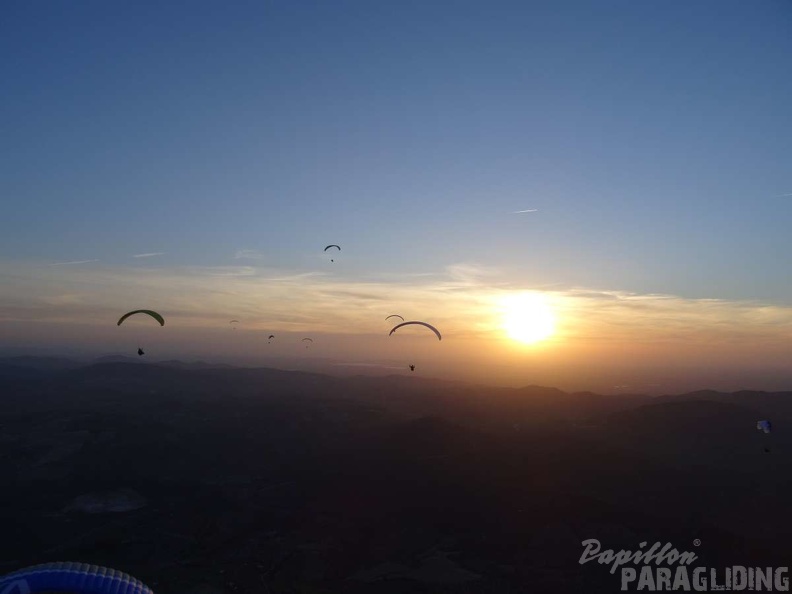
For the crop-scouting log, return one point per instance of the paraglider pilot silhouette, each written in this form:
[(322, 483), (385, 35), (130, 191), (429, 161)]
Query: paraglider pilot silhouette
[(412, 367)]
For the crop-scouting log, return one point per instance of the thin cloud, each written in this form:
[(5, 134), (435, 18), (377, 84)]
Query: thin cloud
[(784, 195), (374, 365), (250, 254), (465, 300), (229, 271), (149, 255), (293, 277), (529, 210), (73, 262)]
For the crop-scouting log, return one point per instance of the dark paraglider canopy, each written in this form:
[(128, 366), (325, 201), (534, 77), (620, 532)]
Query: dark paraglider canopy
[(432, 328), (412, 367), (394, 316), (152, 313), (140, 352)]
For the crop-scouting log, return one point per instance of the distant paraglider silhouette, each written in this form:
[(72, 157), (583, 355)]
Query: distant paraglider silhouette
[(140, 352), (307, 340), (394, 316), (271, 336), (332, 245), (766, 427)]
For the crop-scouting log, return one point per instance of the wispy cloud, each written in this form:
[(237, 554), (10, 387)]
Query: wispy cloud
[(224, 271), (149, 255), (617, 315), (372, 365), (469, 276), (73, 262), (250, 255), (784, 195), (522, 211), (465, 300), (290, 277)]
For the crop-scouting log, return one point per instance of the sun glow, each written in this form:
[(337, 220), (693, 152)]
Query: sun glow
[(528, 318)]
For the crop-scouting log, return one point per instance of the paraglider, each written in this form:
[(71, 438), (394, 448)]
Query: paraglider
[(78, 578), (153, 314), (271, 336), (308, 340), (765, 426), (234, 322), (432, 328), (394, 316), (331, 246), (149, 312)]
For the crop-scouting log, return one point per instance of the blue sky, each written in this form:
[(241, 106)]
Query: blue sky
[(653, 138)]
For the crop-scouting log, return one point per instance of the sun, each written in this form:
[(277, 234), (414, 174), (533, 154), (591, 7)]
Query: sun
[(527, 318)]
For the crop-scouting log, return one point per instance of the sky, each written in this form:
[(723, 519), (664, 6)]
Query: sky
[(196, 157)]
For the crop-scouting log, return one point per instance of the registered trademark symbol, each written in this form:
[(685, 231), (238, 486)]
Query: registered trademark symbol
[(696, 543)]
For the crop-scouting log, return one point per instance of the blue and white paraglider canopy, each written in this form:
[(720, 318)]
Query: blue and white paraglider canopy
[(765, 426), (73, 578)]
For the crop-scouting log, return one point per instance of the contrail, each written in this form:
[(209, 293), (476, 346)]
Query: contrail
[(529, 210), (149, 255), (74, 262)]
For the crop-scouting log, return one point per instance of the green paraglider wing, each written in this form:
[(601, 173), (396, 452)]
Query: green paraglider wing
[(153, 314), (432, 328)]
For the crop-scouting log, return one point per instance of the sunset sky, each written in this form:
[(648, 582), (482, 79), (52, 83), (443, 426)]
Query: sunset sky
[(196, 157)]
